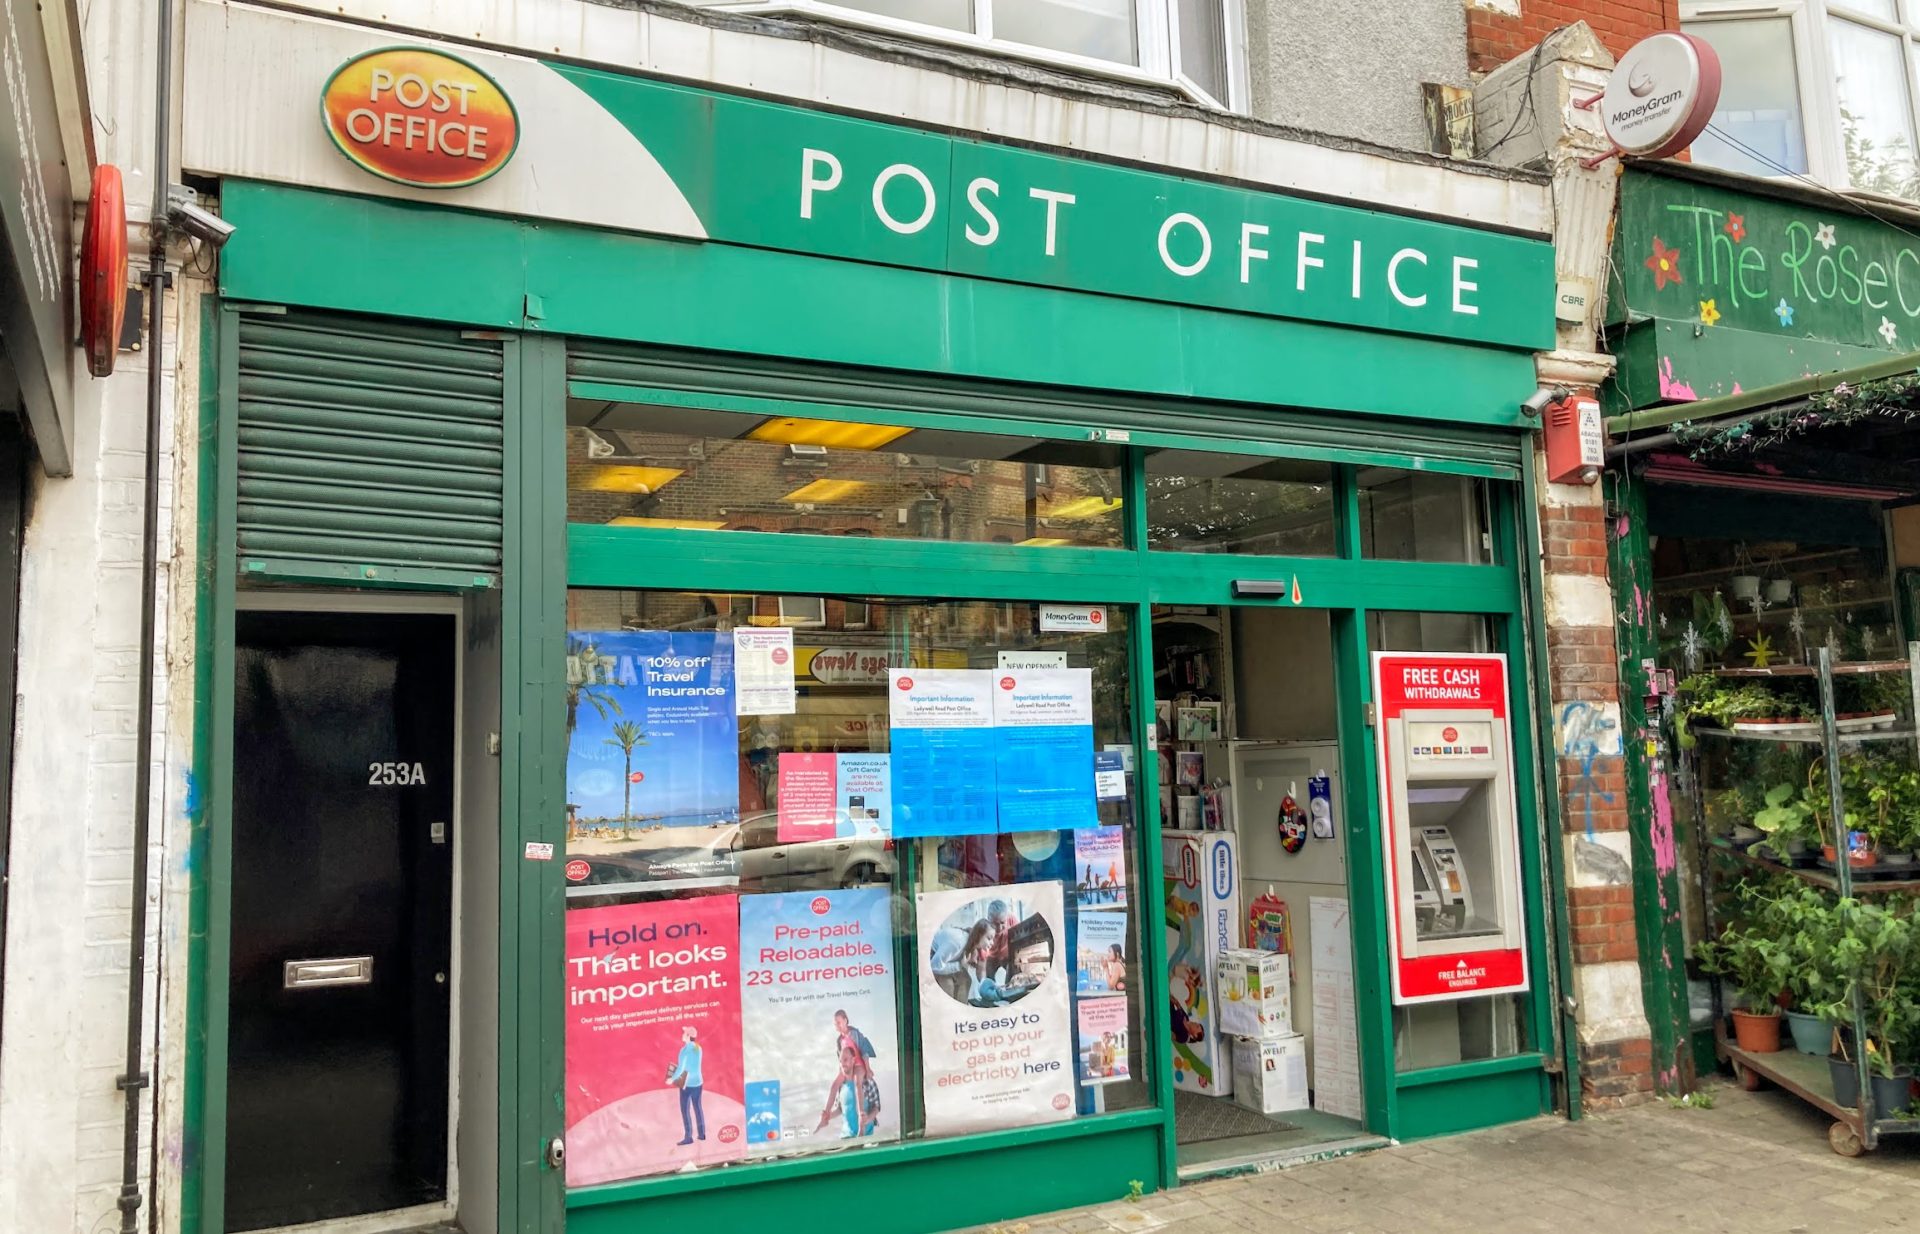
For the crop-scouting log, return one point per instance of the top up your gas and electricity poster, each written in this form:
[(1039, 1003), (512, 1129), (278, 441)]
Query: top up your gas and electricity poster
[(653, 756)]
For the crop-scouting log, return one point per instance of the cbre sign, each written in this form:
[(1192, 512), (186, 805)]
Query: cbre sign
[(420, 117)]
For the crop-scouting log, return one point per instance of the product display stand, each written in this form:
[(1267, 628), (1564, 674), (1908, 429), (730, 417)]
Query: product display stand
[(1856, 1129)]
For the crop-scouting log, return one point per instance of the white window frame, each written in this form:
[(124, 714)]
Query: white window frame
[(1156, 37), (1813, 61)]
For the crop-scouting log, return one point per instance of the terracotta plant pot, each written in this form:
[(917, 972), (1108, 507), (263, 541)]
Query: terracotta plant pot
[(1860, 860), (1755, 1033)]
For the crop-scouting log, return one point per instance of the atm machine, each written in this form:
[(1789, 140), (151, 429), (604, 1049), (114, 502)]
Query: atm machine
[(1456, 921)]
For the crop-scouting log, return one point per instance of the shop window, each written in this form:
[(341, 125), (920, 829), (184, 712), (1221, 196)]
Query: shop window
[(1239, 503), (630, 465), (1820, 87), (1196, 43), (1423, 516), (835, 888)]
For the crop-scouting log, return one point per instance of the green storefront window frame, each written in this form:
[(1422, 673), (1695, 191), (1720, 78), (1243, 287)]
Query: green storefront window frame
[(1347, 586), (545, 556)]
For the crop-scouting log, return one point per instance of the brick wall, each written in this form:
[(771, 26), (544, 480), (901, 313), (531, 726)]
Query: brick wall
[(1495, 36), (1614, 1042)]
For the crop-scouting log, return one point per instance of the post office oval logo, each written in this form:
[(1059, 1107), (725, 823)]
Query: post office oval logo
[(420, 117)]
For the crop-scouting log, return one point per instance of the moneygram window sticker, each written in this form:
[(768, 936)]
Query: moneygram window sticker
[(748, 978)]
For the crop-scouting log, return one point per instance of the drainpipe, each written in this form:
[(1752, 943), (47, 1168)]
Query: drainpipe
[(135, 1077)]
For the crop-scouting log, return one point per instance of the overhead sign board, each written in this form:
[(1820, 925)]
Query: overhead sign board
[(1662, 94), (623, 152)]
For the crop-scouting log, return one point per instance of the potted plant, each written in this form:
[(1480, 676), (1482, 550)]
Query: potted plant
[(1875, 953), (1757, 964), (1789, 820), (1805, 921)]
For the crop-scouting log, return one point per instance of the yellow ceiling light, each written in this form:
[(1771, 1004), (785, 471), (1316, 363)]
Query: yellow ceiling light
[(629, 479), (685, 524), (833, 434), (1085, 507), (1044, 542), (823, 492)]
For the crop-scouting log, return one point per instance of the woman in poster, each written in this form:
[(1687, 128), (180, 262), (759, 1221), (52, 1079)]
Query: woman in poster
[(1115, 968), (685, 1076), (854, 1090)]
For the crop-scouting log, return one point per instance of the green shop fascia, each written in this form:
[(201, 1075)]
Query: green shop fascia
[(421, 395)]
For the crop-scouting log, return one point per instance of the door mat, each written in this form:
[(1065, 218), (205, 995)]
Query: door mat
[(1198, 1119)]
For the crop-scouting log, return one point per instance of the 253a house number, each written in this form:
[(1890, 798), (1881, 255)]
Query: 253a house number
[(390, 775)]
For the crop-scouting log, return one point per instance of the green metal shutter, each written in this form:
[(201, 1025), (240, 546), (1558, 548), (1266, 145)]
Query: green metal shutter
[(368, 451)]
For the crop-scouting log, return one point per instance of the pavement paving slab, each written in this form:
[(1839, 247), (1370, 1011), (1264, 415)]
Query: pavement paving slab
[(1755, 1163)]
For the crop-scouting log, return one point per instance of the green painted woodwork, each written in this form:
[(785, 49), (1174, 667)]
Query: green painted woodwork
[(1657, 894), (1478, 1069), (388, 255), (963, 206), (533, 788), (1793, 392), (896, 1188), (198, 1091), (1485, 1098), (369, 452), (1751, 295), (204, 1174), (1666, 360)]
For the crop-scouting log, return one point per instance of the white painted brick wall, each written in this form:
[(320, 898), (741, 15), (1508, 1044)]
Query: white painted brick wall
[(63, 1023)]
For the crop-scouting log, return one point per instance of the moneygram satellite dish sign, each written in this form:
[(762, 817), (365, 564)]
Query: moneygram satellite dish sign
[(1662, 94)]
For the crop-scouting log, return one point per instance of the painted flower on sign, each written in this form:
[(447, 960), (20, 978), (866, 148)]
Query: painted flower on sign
[(1709, 313), (1888, 330), (1824, 236), (1784, 312), (1735, 226), (1665, 264)]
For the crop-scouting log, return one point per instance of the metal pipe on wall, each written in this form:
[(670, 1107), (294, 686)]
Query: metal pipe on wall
[(135, 1077)]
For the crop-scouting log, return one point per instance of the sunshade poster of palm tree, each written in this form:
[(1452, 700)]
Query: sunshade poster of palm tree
[(626, 735)]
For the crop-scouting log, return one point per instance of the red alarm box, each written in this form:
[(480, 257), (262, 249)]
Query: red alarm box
[(1576, 441)]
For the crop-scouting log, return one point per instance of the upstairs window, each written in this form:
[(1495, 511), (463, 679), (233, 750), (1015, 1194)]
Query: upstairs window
[(1819, 88), (1197, 44)]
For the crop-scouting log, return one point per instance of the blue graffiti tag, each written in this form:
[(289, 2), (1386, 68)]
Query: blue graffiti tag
[(1583, 735)]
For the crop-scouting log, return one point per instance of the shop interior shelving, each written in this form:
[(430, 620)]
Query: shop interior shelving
[(1856, 1129)]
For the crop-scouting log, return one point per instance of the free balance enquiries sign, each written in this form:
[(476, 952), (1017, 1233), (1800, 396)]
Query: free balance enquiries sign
[(620, 152)]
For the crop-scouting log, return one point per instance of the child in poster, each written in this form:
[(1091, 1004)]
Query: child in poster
[(1102, 1052), (819, 1035), (653, 1038), (653, 755), (996, 1039), (1101, 967)]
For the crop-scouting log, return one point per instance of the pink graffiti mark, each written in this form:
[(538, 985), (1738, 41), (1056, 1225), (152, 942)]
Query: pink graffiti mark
[(1669, 387), (1622, 525), (1736, 389), (1665, 859), (1639, 605)]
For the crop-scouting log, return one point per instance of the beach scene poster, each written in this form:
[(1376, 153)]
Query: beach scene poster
[(653, 758)]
